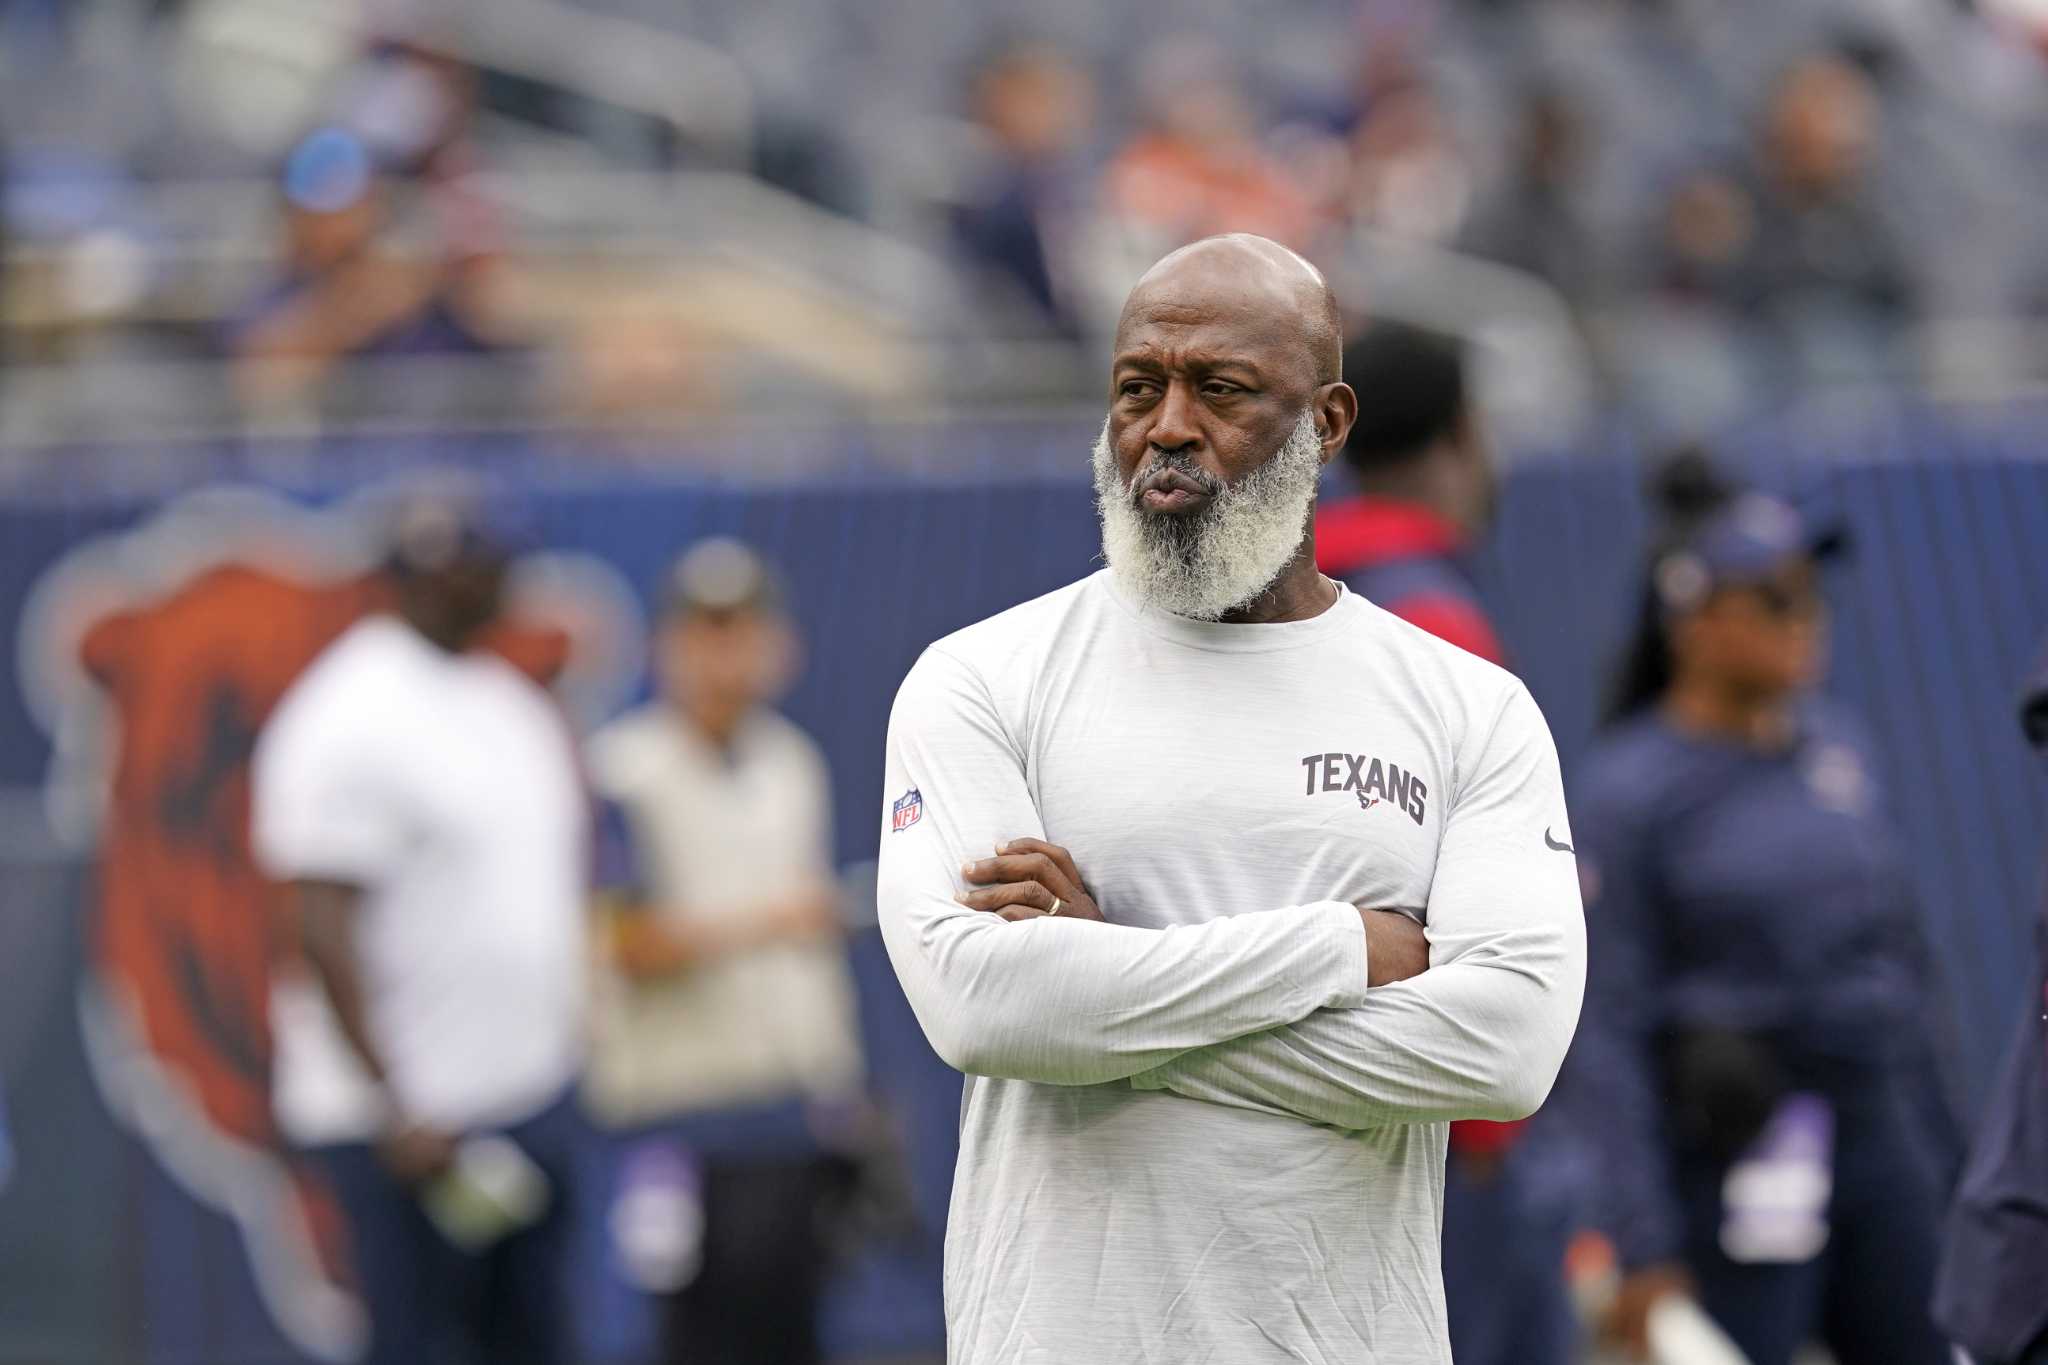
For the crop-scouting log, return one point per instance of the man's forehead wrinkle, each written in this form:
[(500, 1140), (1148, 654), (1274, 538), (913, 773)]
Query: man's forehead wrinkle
[(1248, 320), (1153, 353), (1202, 294), (1180, 312)]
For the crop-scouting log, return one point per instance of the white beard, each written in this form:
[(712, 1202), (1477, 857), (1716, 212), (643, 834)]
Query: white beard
[(1211, 563)]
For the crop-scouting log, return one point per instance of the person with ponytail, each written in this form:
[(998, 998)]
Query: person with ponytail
[(1751, 1078)]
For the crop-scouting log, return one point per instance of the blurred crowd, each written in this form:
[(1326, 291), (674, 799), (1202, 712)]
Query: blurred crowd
[(237, 213)]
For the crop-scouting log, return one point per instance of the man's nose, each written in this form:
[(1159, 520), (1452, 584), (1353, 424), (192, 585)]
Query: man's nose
[(1174, 425)]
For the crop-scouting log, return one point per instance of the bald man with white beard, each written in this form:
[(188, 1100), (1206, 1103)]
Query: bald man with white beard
[(1227, 890)]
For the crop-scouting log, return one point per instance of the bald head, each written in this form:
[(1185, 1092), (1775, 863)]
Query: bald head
[(1252, 281), (1225, 403)]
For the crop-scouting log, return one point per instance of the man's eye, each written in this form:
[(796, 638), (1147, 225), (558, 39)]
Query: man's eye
[(1216, 388), (1137, 388)]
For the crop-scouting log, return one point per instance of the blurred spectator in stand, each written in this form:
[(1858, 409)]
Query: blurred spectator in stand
[(1535, 220), (422, 800), (727, 1021), (1829, 271), (414, 106), (1196, 165), (1753, 1077), (1408, 177), (346, 288), (1032, 105), (1687, 352), (1768, 281), (1426, 483), (1992, 1296)]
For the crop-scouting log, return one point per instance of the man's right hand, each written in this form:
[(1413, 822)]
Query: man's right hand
[(1628, 1321), (1395, 947), (415, 1152)]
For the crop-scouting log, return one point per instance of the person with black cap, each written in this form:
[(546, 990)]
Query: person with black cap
[(421, 799), (726, 1023), (1751, 1075), (1419, 458), (1992, 1295)]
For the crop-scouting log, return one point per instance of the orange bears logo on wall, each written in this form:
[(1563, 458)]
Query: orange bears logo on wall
[(154, 658)]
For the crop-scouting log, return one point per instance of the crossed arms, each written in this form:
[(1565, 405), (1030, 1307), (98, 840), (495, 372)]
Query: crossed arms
[(1267, 1011)]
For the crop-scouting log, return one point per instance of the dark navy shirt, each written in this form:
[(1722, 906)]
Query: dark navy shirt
[(1728, 888), (1992, 1294)]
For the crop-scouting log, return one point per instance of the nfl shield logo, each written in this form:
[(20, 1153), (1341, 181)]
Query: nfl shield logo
[(907, 811)]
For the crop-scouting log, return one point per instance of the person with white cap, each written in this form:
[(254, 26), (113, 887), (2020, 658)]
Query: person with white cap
[(725, 1018)]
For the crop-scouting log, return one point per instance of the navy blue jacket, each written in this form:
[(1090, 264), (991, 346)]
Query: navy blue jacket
[(1992, 1295), (1728, 889)]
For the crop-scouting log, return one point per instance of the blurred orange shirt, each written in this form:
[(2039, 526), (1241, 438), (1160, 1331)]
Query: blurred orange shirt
[(1197, 191)]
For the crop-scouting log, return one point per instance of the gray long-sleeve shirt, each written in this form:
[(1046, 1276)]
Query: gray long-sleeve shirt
[(1192, 1134)]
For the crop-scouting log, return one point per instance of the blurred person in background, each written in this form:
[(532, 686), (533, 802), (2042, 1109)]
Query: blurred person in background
[(1535, 219), (423, 803), (345, 289), (1408, 177), (1992, 1295), (1830, 273), (414, 106), (1767, 277), (1196, 166), (1425, 485), (1033, 105), (1420, 460), (727, 1019), (1752, 1077), (1690, 352)]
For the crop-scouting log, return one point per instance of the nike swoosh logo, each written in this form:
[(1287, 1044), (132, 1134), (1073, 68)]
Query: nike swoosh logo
[(1551, 843)]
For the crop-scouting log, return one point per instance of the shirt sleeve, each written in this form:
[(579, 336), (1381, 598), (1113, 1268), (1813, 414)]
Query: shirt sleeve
[(818, 842), (1610, 1096), (1055, 1000), (1482, 1033), (322, 810)]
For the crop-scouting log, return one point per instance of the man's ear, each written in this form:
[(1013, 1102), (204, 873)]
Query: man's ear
[(1336, 408)]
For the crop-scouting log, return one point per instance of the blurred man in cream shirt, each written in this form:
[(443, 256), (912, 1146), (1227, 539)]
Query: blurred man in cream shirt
[(725, 1013)]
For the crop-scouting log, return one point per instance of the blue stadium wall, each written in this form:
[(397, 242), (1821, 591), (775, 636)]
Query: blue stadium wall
[(102, 1258)]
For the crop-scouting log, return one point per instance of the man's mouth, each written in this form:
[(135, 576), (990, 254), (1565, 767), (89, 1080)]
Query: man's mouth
[(1171, 492)]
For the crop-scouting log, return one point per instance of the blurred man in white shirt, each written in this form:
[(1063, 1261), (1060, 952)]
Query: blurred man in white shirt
[(727, 1019), (422, 800)]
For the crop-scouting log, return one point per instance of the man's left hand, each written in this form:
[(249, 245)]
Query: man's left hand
[(1029, 879)]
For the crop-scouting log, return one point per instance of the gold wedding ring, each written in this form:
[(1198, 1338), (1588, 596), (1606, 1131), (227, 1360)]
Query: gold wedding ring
[(1056, 904)]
